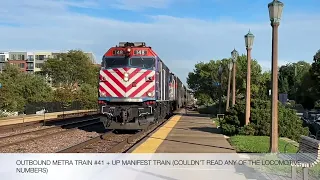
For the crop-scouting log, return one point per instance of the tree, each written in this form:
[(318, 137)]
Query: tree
[(205, 74), (202, 80), (35, 89), (263, 85), (241, 76), (71, 68), (291, 77), (315, 74), (87, 95), (204, 99), (20, 89)]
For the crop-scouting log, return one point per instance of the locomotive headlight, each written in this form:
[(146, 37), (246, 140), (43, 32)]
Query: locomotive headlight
[(126, 77), (149, 94)]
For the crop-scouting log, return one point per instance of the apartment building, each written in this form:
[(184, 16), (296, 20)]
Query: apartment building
[(30, 62), (4, 56)]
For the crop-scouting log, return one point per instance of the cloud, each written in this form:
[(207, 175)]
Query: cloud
[(141, 4), (180, 42)]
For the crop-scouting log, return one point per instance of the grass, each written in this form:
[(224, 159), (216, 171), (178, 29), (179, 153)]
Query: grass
[(260, 144)]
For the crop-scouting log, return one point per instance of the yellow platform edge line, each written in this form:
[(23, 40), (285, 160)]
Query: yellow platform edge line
[(153, 142)]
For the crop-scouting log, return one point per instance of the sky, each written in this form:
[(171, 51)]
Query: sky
[(182, 32)]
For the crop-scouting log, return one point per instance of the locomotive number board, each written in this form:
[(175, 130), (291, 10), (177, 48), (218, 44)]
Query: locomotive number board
[(136, 52), (140, 52), (118, 52)]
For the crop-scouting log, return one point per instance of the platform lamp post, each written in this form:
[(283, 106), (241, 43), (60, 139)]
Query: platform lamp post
[(234, 55), (275, 12), (220, 87), (229, 82), (249, 42)]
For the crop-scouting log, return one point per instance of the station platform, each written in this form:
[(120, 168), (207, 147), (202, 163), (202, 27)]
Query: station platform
[(186, 133)]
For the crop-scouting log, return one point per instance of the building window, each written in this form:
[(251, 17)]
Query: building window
[(30, 66), (21, 65), (40, 57), (39, 65), (21, 57), (30, 57), (13, 57), (2, 57), (2, 66)]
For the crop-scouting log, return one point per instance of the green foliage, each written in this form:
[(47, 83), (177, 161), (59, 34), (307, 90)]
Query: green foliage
[(20, 88), (87, 95), (203, 78), (71, 68), (248, 130), (290, 125), (205, 74), (294, 79), (35, 89), (242, 74), (204, 99), (234, 120), (75, 78), (68, 71), (65, 94), (300, 80)]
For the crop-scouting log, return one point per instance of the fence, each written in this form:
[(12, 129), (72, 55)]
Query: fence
[(50, 107)]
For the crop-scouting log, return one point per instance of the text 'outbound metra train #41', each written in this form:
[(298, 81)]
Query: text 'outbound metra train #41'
[(136, 88)]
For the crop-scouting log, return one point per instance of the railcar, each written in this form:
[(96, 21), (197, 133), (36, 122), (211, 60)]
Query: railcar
[(136, 88)]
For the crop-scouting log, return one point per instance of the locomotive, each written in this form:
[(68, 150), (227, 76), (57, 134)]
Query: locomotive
[(136, 88)]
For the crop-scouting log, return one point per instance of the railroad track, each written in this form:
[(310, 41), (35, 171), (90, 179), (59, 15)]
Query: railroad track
[(34, 124), (111, 142), (17, 139)]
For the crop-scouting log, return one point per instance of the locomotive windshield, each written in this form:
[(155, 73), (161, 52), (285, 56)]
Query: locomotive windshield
[(114, 62), (142, 62), (138, 62)]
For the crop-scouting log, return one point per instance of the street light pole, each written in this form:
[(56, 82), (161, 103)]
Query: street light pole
[(275, 12), (234, 55), (229, 82), (249, 42), (220, 87)]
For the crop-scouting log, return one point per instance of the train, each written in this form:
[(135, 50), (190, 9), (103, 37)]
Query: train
[(136, 88)]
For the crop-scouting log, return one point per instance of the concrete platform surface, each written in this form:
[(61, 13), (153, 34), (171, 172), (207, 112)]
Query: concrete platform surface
[(186, 133)]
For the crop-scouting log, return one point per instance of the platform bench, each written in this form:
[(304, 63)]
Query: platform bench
[(308, 156)]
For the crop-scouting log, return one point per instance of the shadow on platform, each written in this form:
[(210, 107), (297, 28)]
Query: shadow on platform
[(207, 129)]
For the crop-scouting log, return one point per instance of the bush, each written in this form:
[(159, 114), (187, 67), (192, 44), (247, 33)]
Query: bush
[(233, 120), (248, 130), (290, 125)]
